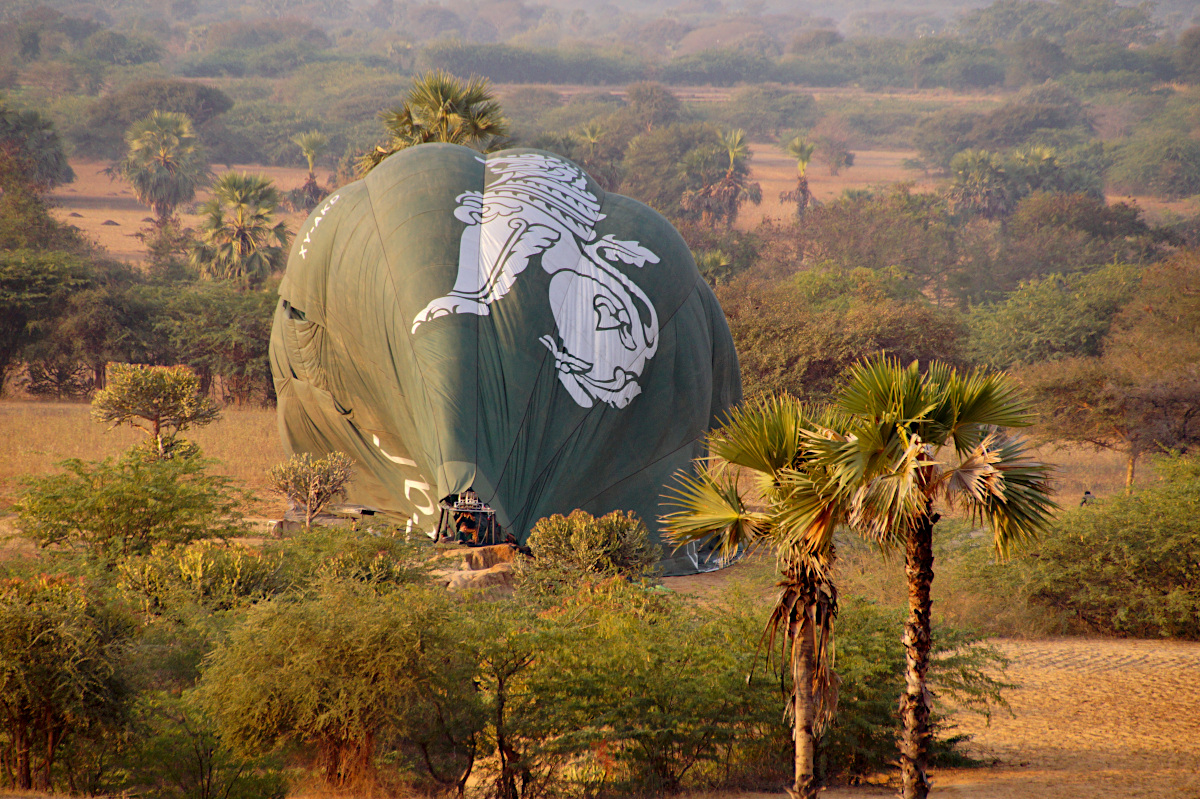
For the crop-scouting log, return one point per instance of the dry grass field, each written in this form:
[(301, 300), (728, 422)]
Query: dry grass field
[(108, 214)]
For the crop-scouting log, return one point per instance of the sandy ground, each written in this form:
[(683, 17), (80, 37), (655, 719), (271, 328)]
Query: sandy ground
[(1091, 718), (107, 212)]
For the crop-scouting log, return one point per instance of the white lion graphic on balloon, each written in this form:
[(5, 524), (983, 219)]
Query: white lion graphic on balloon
[(539, 204)]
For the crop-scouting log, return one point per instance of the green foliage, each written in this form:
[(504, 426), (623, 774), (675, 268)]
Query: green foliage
[(31, 137), (765, 111), (505, 63), (100, 132), (161, 401), (34, 289), (312, 482), (59, 675), (216, 576), (116, 508), (239, 239), (569, 547), (1051, 318), (441, 108), (164, 162), (117, 49), (382, 560), (1163, 163), (330, 675), (1128, 565)]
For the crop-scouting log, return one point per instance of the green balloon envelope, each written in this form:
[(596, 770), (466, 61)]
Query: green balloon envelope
[(499, 323)]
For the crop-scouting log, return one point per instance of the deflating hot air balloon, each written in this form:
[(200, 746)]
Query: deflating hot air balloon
[(498, 327)]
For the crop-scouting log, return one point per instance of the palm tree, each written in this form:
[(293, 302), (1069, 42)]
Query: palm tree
[(164, 164), (312, 144), (442, 108), (801, 150), (980, 185), (723, 179), (915, 439), (769, 440), (239, 239)]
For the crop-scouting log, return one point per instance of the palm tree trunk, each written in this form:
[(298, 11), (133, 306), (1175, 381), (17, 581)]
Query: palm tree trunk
[(803, 668), (914, 703)]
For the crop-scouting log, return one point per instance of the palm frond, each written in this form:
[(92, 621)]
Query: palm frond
[(1018, 504), (765, 436), (710, 506)]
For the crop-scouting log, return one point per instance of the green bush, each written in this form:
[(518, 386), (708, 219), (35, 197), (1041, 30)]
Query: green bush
[(116, 508), (1128, 564), (60, 647), (580, 543), (1162, 163), (213, 575), (384, 561), (331, 676)]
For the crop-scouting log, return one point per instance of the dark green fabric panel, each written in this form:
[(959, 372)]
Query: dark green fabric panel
[(510, 328)]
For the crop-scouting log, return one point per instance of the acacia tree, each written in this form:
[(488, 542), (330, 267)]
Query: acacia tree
[(441, 108), (312, 482), (162, 401), (58, 672), (239, 238), (164, 163)]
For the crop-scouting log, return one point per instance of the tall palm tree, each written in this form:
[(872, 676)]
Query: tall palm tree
[(442, 108), (980, 185), (721, 174), (312, 144), (239, 239), (769, 441), (802, 151), (915, 439), (165, 163)]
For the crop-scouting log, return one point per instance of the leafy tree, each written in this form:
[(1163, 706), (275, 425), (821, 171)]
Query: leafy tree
[(117, 49), (164, 163), (34, 289), (161, 401), (332, 676), (60, 647), (1142, 393), (442, 108), (1052, 318), (888, 471), (237, 238), (25, 220), (832, 138), (654, 171), (1034, 60), (31, 137), (1187, 54), (652, 105), (1126, 565), (100, 134), (1164, 163), (116, 508), (802, 151), (312, 482)]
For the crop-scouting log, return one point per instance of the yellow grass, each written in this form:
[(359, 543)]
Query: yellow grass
[(34, 436)]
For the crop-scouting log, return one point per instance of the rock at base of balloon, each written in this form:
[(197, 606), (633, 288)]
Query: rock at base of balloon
[(498, 577)]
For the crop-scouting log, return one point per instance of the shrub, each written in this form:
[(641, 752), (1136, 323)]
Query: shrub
[(331, 676), (1161, 163), (312, 482), (212, 575), (616, 543), (117, 508), (1129, 564), (59, 650), (161, 401), (384, 562)]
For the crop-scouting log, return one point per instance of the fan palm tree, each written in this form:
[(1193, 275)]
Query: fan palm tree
[(915, 439), (442, 108), (768, 440), (801, 150), (980, 185), (722, 178), (312, 144), (164, 164), (239, 239)]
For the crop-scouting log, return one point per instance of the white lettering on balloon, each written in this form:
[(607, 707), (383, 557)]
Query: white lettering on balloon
[(307, 240)]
